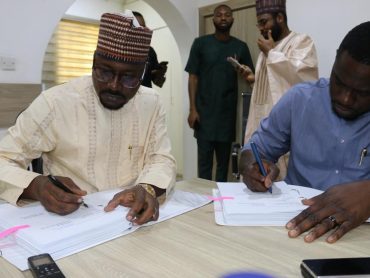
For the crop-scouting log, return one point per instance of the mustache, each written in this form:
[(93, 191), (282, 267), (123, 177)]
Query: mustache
[(111, 92)]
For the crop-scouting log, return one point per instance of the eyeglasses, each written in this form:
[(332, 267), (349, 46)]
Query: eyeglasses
[(127, 81), (262, 22)]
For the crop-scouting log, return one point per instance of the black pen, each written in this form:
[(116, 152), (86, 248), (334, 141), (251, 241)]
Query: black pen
[(60, 185)]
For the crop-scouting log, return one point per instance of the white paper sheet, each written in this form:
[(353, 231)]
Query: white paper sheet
[(61, 236), (247, 208)]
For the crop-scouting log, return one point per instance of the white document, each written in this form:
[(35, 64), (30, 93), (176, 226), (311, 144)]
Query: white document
[(243, 207), (61, 236)]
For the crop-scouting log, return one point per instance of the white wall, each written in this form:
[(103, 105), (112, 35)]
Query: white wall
[(26, 28), (93, 9), (327, 22)]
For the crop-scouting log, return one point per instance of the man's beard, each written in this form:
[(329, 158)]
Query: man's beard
[(223, 29), (276, 31), (109, 103)]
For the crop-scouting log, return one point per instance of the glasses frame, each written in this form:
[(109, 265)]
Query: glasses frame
[(109, 80)]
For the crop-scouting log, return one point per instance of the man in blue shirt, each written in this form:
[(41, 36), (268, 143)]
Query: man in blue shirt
[(326, 127)]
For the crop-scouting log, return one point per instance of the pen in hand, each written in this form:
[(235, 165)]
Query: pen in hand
[(259, 162), (60, 185)]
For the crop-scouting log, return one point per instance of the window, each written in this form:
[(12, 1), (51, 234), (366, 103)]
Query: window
[(70, 52)]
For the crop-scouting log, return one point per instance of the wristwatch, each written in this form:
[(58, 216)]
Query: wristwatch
[(148, 188)]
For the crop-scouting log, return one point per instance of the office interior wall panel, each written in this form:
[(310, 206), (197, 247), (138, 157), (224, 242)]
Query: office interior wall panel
[(15, 98)]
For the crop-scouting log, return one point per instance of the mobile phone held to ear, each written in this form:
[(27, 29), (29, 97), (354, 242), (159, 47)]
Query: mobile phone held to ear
[(340, 267), (233, 62), (44, 266)]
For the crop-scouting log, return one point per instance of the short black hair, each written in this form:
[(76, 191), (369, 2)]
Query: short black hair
[(357, 43), (222, 6)]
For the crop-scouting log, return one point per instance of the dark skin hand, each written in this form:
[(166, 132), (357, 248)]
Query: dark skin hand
[(252, 176), (143, 206), (348, 203), (193, 118), (265, 45), (53, 198)]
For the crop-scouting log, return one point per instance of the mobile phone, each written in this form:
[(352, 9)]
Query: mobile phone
[(340, 267), (44, 266), (233, 62)]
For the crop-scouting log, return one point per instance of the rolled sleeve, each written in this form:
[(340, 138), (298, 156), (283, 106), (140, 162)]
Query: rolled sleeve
[(24, 141)]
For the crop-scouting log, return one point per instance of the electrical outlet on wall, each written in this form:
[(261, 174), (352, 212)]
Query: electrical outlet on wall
[(7, 63)]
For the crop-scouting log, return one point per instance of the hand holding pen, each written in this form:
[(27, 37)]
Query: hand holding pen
[(259, 162), (257, 176), (55, 198), (60, 185)]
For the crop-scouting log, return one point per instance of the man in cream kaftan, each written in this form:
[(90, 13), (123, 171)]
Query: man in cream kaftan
[(95, 133), (97, 148), (286, 58)]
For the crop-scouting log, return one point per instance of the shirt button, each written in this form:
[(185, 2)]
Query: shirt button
[(337, 171), (342, 141)]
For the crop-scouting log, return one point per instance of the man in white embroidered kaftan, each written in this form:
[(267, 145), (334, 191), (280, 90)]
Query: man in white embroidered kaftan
[(286, 58), (95, 133)]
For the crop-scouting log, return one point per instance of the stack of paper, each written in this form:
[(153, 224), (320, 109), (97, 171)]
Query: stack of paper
[(238, 206), (64, 235)]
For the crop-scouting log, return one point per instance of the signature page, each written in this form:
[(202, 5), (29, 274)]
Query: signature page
[(239, 206)]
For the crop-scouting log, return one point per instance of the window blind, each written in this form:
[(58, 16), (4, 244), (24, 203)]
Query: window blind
[(70, 52)]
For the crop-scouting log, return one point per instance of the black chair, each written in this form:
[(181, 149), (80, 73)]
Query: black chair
[(236, 147), (234, 160), (37, 165)]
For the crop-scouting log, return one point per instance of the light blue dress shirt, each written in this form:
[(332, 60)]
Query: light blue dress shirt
[(325, 150)]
